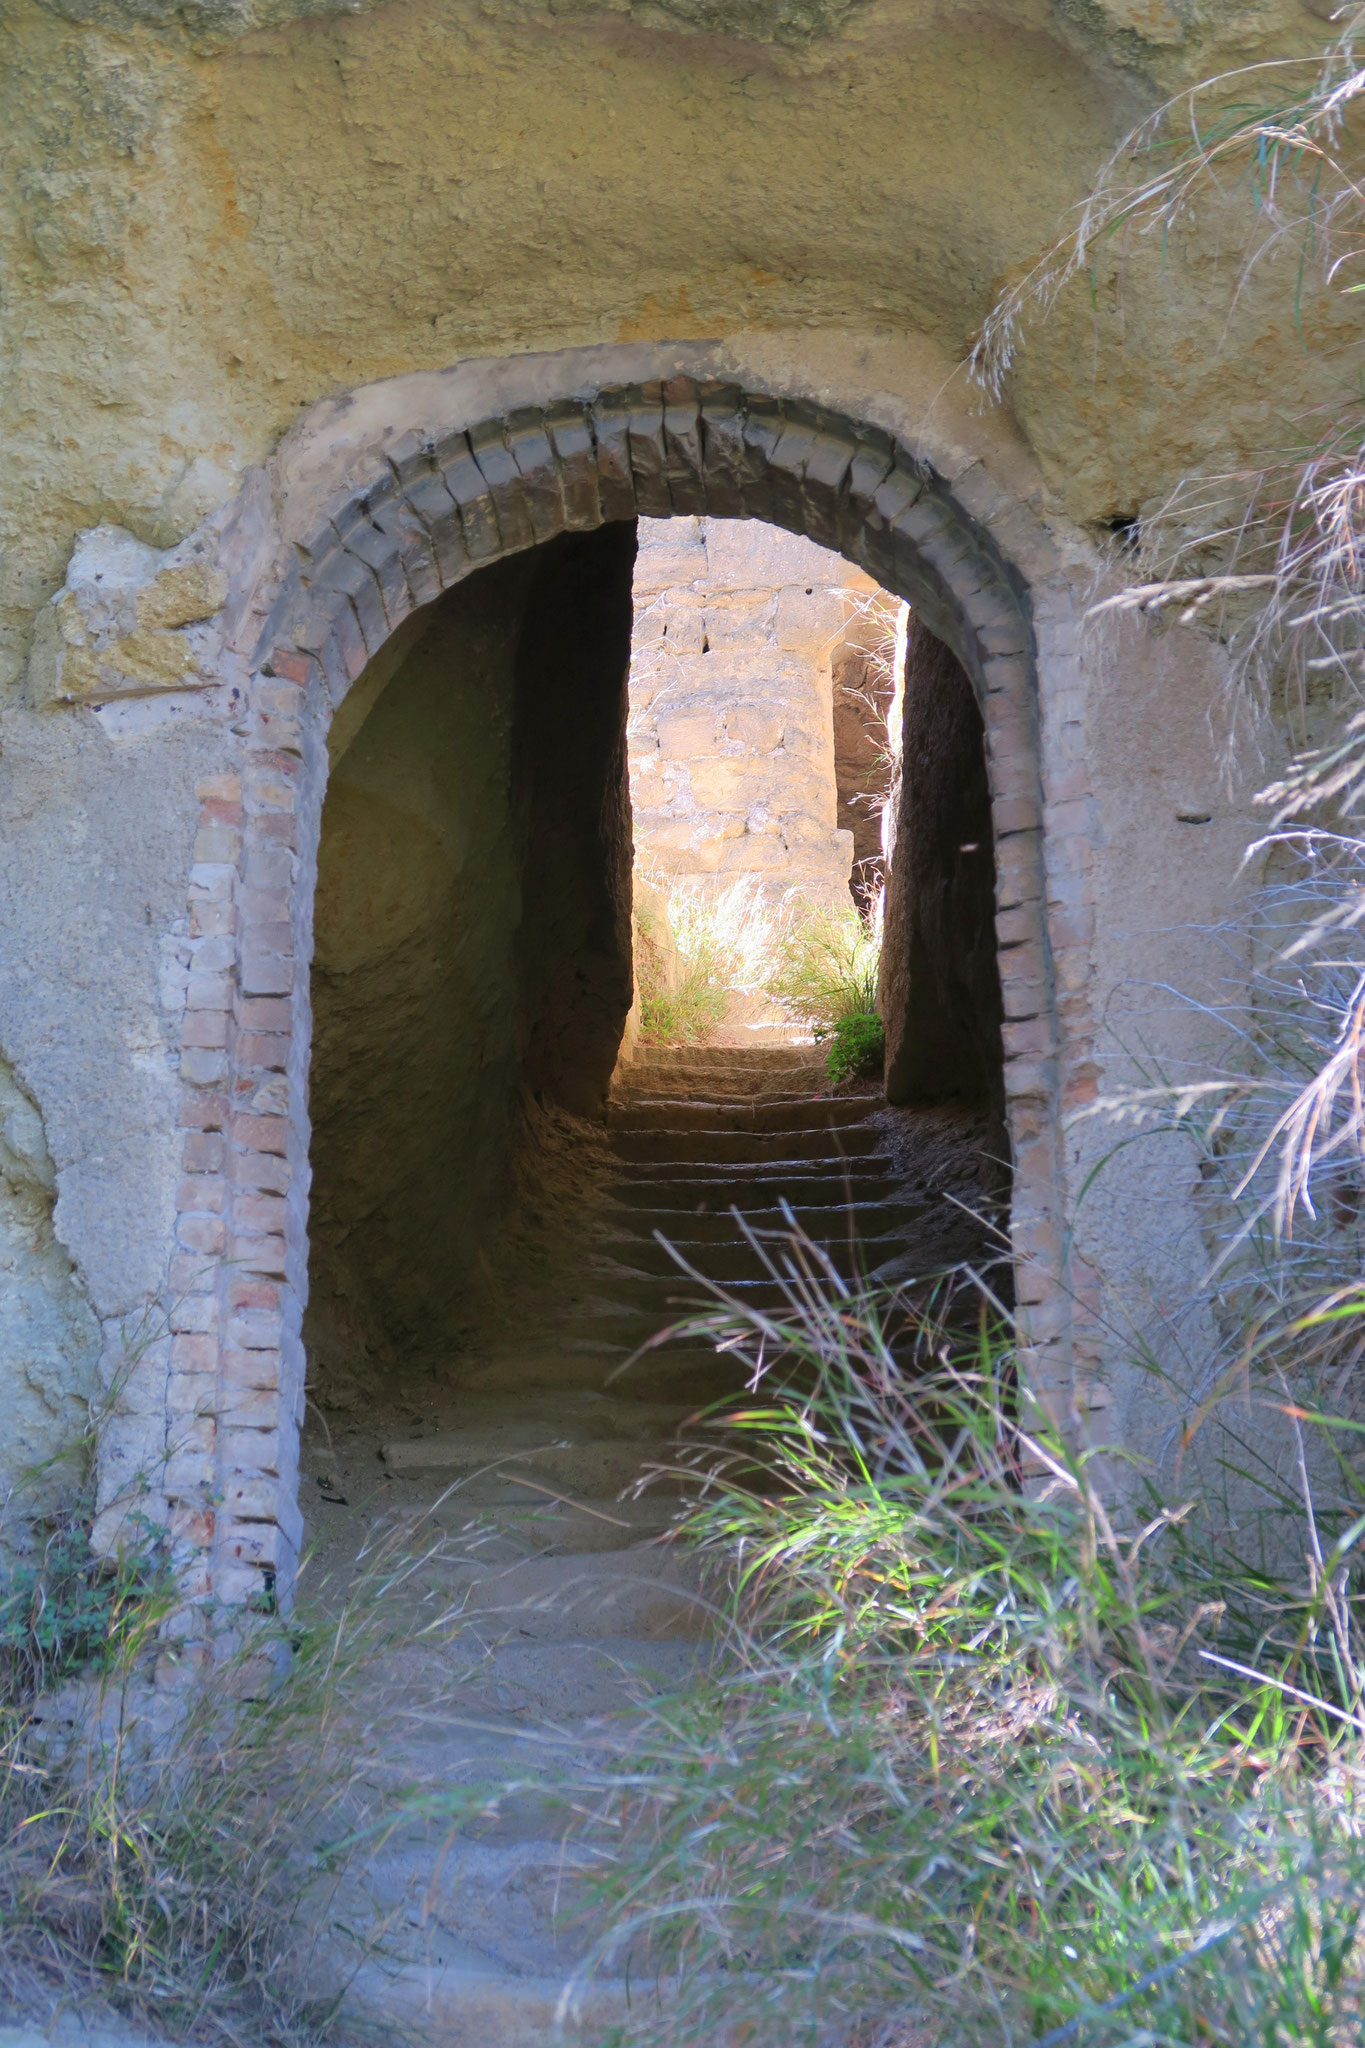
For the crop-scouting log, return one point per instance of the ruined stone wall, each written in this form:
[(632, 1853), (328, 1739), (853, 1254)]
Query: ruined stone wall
[(732, 738)]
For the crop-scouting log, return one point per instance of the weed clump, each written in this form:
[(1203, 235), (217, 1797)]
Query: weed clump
[(176, 1807), (857, 1048)]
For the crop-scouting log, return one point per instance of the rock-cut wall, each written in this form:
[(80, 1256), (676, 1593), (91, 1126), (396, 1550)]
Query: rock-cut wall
[(738, 629)]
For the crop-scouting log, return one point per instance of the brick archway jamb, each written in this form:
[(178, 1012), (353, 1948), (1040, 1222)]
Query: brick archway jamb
[(438, 509)]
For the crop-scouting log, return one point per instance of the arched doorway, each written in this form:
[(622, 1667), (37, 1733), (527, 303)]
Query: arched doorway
[(435, 509)]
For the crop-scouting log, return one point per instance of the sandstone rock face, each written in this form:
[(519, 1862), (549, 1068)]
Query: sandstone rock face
[(472, 936), (732, 756), (940, 993), (49, 1338), (262, 261)]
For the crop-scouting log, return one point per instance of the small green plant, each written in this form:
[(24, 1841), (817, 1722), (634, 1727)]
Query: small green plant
[(857, 1048), (64, 1609)]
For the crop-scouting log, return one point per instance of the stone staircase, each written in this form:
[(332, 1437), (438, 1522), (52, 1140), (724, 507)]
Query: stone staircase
[(572, 1608)]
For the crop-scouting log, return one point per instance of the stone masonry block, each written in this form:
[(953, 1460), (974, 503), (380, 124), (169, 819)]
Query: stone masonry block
[(188, 1473), (195, 1233), (250, 1369), (211, 920), (191, 1274), (498, 468), (528, 443), (260, 1133), (194, 1315), (266, 1051), (263, 1171), (216, 845), (194, 1352), (203, 1152), (576, 454), (204, 1028), (253, 1329), (253, 1252), (264, 974), (431, 504), (202, 1067), (252, 1210), (380, 553), (201, 1194)]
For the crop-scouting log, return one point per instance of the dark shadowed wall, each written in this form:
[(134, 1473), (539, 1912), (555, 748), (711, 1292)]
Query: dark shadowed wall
[(940, 984), (472, 935)]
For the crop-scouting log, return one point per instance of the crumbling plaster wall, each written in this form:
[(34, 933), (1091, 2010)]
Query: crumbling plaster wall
[(49, 1339), (731, 712)]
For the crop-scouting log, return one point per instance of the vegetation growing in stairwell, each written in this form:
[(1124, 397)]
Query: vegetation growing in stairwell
[(735, 949), (857, 1049)]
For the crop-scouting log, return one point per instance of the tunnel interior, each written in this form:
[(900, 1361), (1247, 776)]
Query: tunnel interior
[(472, 971)]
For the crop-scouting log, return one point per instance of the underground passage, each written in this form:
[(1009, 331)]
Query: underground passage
[(503, 1154), (482, 1152)]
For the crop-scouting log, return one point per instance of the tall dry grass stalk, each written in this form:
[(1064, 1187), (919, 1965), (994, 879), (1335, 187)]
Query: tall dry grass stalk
[(741, 938), (1271, 559)]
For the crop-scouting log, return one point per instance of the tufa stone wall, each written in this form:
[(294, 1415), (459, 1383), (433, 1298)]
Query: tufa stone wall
[(471, 938), (940, 984), (733, 764), (161, 850)]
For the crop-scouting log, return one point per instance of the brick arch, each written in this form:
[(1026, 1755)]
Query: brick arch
[(435, 509)]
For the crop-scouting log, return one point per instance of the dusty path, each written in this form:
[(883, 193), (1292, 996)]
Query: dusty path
[(570, 1606)]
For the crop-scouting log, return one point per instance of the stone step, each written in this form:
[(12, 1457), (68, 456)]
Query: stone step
[(653, 1593), (511, 1518), (809, 1184), (827, 1223), (651, 1145), (729, 1080), (590, 1469), (675, 1059), (548, 1682), (800, 1115), (591, 1352), (726, 1259)]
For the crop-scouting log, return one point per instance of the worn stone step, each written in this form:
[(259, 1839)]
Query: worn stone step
[(733, 1080), (595, 1468), (826, 1223), (723, 1259), (460, 2005), (573, 1526), (652, 1592), (655, 1145), (805, 1186), (801, 1115)]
